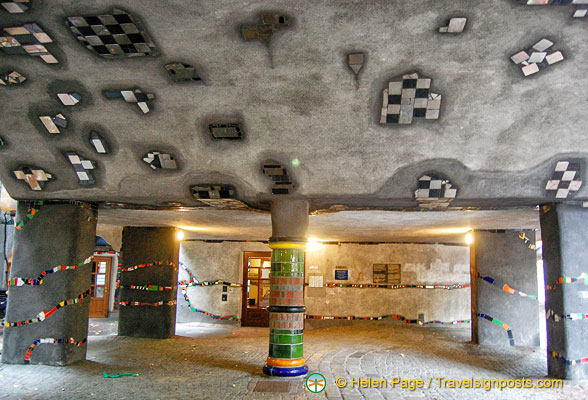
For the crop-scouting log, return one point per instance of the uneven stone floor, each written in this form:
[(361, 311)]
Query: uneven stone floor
[(223, 362)]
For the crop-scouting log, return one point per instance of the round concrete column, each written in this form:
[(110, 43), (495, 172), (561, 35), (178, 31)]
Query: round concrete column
[(48, 300), (289, 224)]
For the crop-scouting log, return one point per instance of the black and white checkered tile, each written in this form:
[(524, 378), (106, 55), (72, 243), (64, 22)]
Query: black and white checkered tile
[(157, 160), (12, 78), (35, 178), (282, 184), (117, 35), (565, 180), (581, 5), (539, 56), (16, 7), (409, 98), (27, 39), (143, 100), (218, 196), (82, 167), (98, 143), (434, 191), (180, 72)]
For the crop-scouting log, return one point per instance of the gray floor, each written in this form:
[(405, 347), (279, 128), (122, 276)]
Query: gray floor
[(208, 361)]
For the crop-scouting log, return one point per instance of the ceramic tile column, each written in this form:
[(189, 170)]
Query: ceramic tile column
[(289, 224)]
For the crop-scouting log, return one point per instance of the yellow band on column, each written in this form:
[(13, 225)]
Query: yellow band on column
[(278, 362), (287, 245)]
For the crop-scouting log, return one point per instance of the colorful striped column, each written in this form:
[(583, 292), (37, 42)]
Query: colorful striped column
[(286, 310)]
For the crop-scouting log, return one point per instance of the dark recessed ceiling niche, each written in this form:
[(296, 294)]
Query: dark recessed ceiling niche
[(434, 191), (180, 72), (226, 131), (82, 167), (36, 178), (263, 31), (538, 57), (12, 78), (16, 7), (27, 39), (408, 98), (565, 179), (132, 96), (112, 36), (158, 160), (355, 62), (282, 183), (98, 143), (218, 196)]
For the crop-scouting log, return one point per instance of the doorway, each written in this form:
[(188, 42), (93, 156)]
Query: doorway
[(256, 290), (100, 285)]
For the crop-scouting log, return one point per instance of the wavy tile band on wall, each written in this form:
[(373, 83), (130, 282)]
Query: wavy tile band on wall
[(43, 315), (39, 280)]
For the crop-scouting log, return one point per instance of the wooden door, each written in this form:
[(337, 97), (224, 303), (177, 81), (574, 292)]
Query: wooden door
[(99, 301), (256, 288)]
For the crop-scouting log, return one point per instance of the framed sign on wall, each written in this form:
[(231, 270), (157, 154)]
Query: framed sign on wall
[(387, 273)]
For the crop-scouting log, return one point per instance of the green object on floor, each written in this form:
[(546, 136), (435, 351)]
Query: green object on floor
[(118, 375)]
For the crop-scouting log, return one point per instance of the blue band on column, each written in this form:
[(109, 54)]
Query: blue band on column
[(282, 371)]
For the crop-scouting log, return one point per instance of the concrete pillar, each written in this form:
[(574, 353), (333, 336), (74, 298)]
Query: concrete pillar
[(148, 312), (505, 295), (289, 224), (564, 231), (53, 307)]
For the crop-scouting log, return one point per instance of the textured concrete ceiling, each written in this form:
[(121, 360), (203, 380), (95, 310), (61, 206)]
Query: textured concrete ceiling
[(362, 226), (497, 139)]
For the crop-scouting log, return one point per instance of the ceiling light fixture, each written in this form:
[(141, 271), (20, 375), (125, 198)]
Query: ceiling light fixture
[(469, 238)]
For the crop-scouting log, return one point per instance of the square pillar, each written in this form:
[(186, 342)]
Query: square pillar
[(564, 231), (48, 299), (504, 267), (148, 282)]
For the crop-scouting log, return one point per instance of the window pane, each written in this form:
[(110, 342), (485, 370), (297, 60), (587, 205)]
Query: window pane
[(252, 295), (100, 279), (253, 272), (102, 267), (266, 295), (266, 264), (255, 262), (99, 292)]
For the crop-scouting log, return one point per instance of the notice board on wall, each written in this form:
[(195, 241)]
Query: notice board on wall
[(387, 274), (341, 274)]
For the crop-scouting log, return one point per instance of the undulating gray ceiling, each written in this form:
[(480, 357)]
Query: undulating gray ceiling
[(498, 138)]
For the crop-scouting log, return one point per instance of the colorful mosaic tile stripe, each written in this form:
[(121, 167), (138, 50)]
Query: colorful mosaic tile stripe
[(563, 280), (286, 310), (503, 285), (502, 324), (146, 304), (153, 264), (561, 317), (39, 280), (209, 283), (151, 288), (391, 316), (31, 212), (70, 340), (43, 315), (213, 316), (376, 286), (560, 357), (527, 241), (195, 282)]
